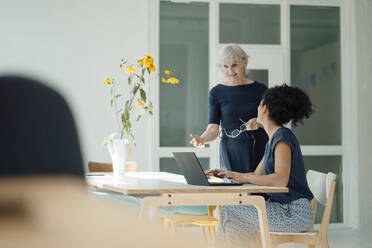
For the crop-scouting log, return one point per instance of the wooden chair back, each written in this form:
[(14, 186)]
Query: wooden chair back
[(323, 187), (130, 166)]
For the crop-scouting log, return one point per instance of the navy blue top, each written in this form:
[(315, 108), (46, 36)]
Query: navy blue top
[(227, 105), (297, 183)]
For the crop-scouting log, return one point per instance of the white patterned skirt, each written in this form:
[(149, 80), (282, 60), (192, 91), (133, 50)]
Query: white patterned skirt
[(239, 223)]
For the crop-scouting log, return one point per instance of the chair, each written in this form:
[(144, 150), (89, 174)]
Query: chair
[(130, 166), (174, 220), (208, 222), (323, 187)]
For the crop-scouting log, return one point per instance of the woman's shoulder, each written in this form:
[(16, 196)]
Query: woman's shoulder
[(215, 87), (286, 135), (284, 131)]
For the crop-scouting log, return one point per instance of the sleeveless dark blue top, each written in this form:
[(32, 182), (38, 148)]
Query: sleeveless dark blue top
[(227, 105), (297, 183)]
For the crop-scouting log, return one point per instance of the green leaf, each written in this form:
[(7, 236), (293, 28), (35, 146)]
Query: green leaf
[(129, 80), (143, 79), (118, 95), (123, 119), (112, 103), (150, 112), (125, 116), (143, 95), (139, 117)]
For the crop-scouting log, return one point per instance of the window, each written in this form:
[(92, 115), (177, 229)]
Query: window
[(298, 42)]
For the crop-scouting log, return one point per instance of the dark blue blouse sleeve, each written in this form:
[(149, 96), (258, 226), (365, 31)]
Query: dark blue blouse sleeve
[(214, 108), (283, 137)]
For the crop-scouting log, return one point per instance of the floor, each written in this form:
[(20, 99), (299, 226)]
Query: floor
[(341, 238)]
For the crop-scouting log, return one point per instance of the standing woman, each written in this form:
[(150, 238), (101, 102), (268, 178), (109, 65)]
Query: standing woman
[(282, 165), (231, 104)]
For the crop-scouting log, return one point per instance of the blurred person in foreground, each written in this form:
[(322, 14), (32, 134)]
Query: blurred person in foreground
[(44, 200)]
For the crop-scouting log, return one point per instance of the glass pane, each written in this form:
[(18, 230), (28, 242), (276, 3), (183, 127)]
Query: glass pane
[(315, 68), (250, 23), (327, 164), (184, 46), (170, 165), (261, 76)]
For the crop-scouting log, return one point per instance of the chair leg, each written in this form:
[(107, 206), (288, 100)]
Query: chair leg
[(255, 240), (205, 236), (311, 246), (324, 243), (173, 227), (165, 225), (212, 231), (274, 244)]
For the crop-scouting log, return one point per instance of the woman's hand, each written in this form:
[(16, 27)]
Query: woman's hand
[(235, 176), (252, 124), (213, 173), (197, 141)]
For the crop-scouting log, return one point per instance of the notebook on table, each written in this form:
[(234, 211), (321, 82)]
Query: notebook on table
[(193, 171)]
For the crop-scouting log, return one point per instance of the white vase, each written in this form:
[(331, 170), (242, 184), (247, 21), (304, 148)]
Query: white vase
[(117, 149)]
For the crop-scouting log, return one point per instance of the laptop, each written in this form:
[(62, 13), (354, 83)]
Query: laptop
[(193, 171)]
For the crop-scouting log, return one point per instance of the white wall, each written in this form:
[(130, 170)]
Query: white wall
[(72, 46), (364, 82)]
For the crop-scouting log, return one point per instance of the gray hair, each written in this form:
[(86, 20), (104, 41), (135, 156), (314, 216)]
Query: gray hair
[(231, 52)]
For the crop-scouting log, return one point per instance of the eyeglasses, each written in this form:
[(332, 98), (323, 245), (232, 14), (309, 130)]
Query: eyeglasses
[(236, 132)]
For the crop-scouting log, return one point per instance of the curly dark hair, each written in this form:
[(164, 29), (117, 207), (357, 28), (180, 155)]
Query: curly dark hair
[(286, 103)]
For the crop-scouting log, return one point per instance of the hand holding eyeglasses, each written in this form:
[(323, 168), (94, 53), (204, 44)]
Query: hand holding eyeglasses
[(252, 124), (246, 126)]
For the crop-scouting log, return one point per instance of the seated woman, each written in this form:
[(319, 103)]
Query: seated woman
[(282, 165)]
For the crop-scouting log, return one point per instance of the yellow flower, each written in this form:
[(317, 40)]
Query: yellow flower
[(130, 69), (173, 80), (141, 61), (121, 66), (107, 81), (167, 72), (149, 58), (164, 80), (139, 104), (147, 63), (149, 107), (152, 68)]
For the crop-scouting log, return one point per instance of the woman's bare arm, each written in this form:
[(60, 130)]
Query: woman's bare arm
[(210, 134)]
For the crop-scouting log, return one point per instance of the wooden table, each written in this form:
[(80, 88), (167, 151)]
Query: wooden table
[(167, 189)]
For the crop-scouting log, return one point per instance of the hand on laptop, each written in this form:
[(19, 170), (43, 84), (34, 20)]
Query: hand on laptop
[(235, 176), (213, 173)]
